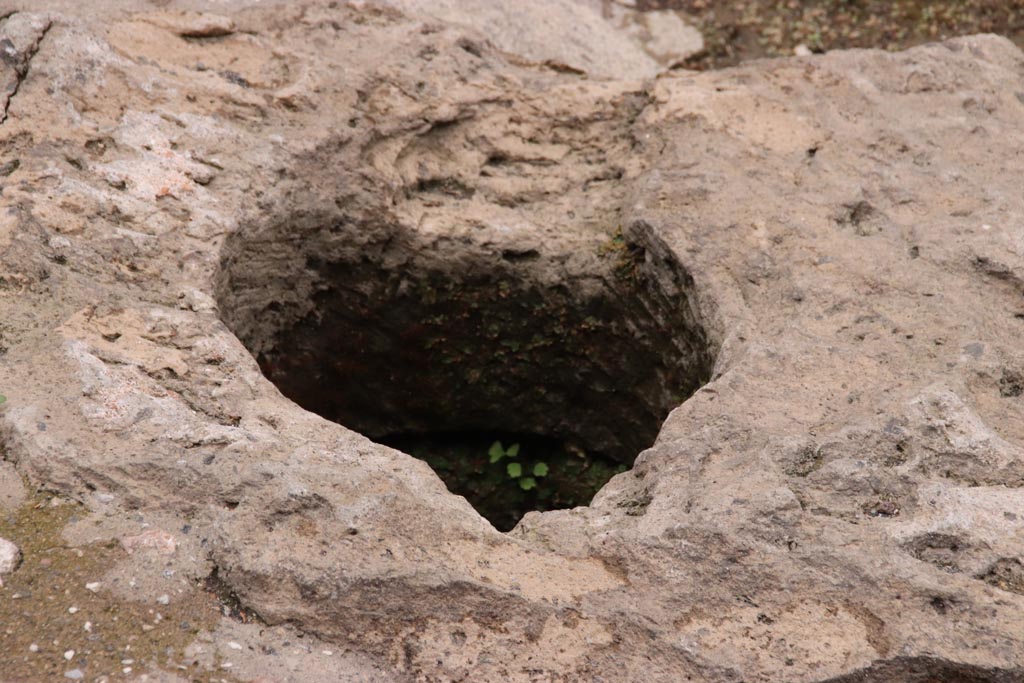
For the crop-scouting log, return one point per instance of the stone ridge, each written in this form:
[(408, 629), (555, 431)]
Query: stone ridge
[(842, 501)]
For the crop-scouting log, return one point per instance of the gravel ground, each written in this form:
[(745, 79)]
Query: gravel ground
[(60, 621), (751, 29)]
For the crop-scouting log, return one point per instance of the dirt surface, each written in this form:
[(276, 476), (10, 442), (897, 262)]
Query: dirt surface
[(60, 615), (104, 600), (752, 29), (826, 249)]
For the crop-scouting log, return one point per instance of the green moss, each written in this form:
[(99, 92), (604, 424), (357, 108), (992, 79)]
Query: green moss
[(627, 257)]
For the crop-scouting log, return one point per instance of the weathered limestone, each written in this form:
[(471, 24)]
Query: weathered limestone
[(602, 38), (842, 501)]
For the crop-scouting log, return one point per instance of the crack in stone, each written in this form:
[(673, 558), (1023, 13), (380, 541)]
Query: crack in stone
[(20, 62)]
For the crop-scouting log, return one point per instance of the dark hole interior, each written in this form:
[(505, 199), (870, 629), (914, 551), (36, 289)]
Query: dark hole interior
[(551, 474), (524, 383)]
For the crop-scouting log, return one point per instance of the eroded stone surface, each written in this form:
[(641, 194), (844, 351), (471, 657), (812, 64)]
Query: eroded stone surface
[(598, 37), (841, 502), (12, 490)]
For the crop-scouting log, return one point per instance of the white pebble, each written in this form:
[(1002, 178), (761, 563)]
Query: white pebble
[(93, 586), (69, 655), (72, 610), (164, 599), (9, 556), (328, 652), (234, 646), (88, 626), (127, 670), (33, 648), (74, 674)]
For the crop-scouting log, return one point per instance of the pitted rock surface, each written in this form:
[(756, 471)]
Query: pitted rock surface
[(843, 500)]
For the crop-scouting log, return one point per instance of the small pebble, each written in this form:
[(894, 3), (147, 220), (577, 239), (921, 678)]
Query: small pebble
[(164, 599), (127, 670), (72, 610), (88, 627), (74, 674), (58, 242), (234, 646), (10, 555), (94, 586), (157, 539), (69, 655), (33, 648)]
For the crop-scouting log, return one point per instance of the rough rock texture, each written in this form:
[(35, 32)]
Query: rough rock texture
[(528, 29), (599, 37), (12, 490), (663, 35), (842, 501)]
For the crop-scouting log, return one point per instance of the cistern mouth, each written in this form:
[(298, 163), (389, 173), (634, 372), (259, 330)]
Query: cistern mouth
[(526, 385)]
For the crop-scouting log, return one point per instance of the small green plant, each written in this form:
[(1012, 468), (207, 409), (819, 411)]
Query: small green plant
[(515, 469), (503, 484), (3, 399), (497, 452)]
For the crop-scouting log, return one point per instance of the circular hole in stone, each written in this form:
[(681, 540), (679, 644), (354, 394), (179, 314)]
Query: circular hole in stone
[(526, 376)]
